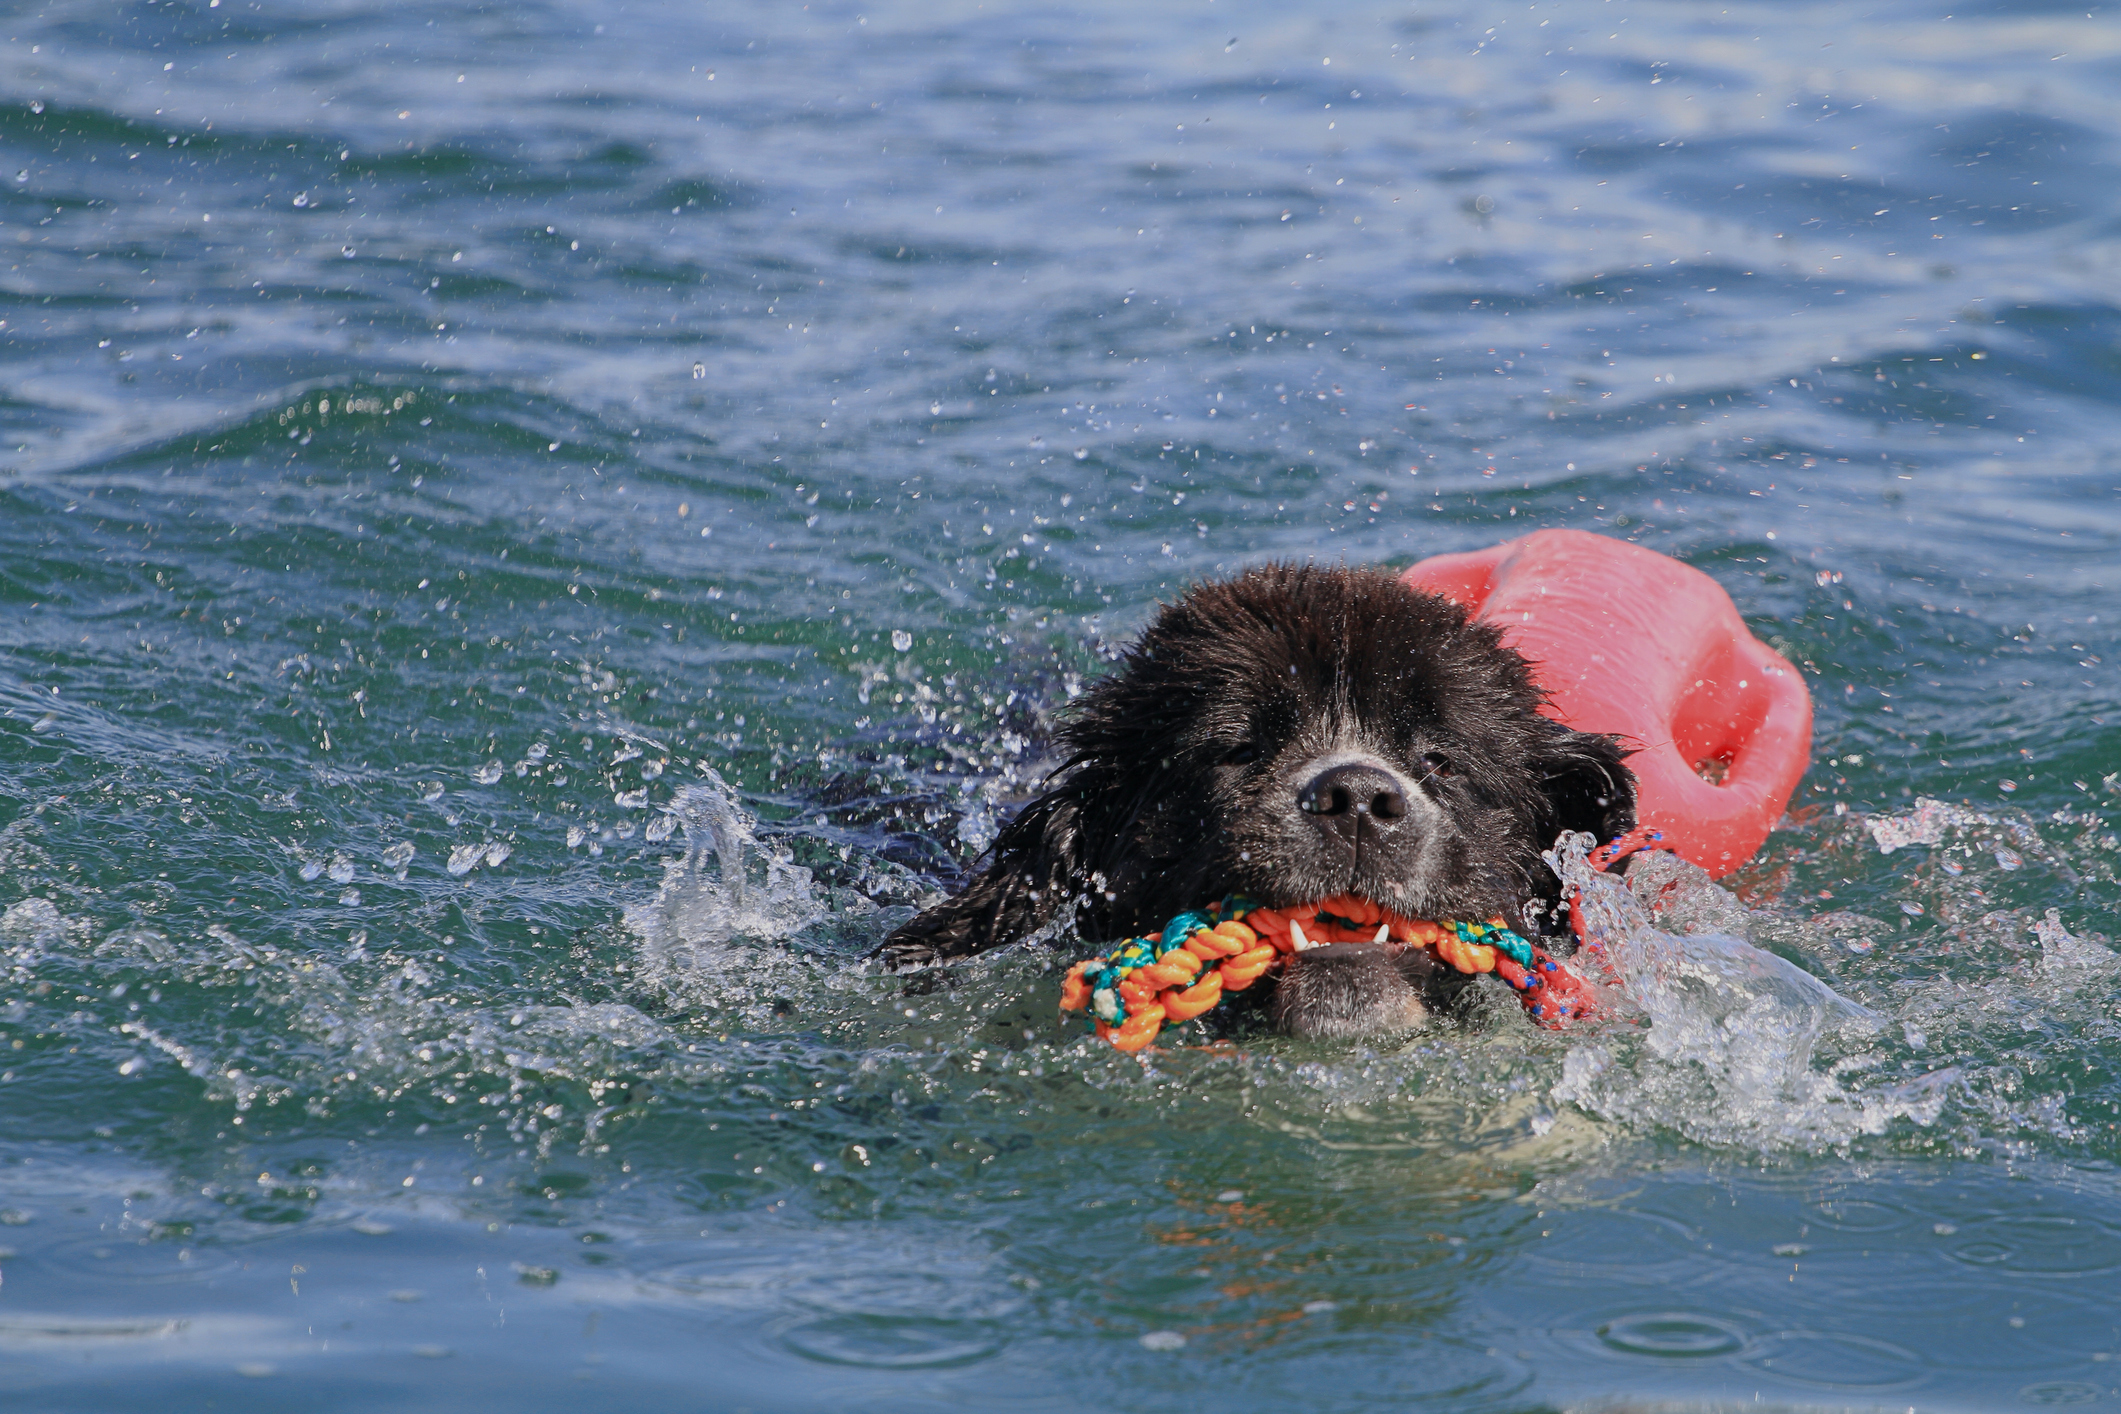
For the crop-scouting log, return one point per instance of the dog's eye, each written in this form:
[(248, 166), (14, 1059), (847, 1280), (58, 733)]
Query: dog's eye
[(1434, 764), (1243, 755)]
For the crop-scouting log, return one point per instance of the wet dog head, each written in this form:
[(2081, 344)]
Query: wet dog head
[(1300, 733), (1296, 734)]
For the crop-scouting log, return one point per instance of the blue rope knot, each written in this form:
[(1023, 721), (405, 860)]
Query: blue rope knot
[(1179, 929), (1501, 939)]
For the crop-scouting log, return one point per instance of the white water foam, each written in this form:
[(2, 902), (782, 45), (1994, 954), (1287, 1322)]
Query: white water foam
[(1738, 1046)]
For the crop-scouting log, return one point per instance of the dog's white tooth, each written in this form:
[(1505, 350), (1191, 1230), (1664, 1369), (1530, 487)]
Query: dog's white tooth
[(1384, 931), (1296, 936)]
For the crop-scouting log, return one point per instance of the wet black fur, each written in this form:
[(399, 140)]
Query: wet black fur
[(1183, 769)]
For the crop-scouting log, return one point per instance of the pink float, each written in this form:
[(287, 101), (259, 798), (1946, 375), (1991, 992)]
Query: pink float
[(1629, 641)]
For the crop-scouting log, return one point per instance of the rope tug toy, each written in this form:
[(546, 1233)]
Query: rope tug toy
[(1163, 979)]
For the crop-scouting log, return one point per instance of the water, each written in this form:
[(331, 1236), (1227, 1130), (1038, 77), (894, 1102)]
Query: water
[(529, 538)]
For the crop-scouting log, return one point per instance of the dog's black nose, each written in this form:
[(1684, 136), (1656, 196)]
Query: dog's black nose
[(1341, 795)]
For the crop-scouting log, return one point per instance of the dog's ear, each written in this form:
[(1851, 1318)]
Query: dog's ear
[(1587, 784), (1037, 860)]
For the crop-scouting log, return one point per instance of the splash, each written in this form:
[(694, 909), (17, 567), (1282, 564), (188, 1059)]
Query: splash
[(1738, 1046), (33, 922), (1926, 824), (1933, 822), (738, 933), (2062, 951), (724, 889)]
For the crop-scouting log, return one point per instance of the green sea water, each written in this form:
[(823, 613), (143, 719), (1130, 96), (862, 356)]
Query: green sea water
[(531, 536)]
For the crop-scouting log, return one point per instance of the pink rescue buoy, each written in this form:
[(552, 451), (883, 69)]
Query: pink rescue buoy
[(1629, 641)]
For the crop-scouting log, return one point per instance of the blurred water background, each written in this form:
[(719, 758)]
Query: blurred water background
[(530, 535)]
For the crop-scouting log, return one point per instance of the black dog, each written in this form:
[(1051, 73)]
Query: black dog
[(1295, 734)]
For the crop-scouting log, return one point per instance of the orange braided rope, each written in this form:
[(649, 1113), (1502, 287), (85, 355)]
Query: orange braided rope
[(1149, 982)]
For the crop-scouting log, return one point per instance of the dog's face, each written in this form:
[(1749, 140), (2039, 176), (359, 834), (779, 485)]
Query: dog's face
[(1296, 734), (1316, 732)]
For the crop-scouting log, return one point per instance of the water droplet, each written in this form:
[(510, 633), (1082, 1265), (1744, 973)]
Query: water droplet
[(1082, 454), (497, 853), (487, 774), (36, 105), (934, 409), (575, 836), (537, 752), (398, 855), (45, 723), (1674, 1336), (351, 897), (2010, 859), (347, 251), (23, 175), (631, 800), (311, 870), (1320, 1308), (463, 859), (341, 870), (659, 828), (1163, 1340), (432, 794), (651, 769), (901, 640), (699, 370), (302, 198)]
